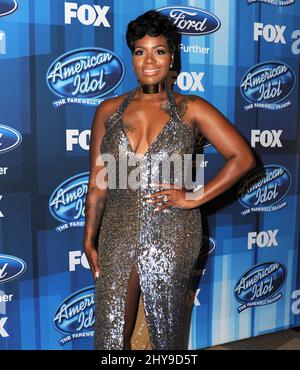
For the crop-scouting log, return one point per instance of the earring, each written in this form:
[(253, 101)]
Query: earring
[(171, 65)]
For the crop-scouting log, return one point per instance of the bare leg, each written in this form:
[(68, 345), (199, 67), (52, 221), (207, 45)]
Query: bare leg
[(131, 306)]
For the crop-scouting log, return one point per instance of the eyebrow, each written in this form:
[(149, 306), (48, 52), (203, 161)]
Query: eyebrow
[(153, 47)]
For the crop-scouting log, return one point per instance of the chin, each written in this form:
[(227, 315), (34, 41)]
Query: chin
[(151, 81)]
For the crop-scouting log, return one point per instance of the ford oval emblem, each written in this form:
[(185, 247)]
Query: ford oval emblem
[(208, 246), (9, 139), (7, 7), (191, 21), (11, 267)]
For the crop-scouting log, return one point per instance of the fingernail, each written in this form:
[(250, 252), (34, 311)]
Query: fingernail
[(148, 196), (149, 201), (97, 274), (156, 209)]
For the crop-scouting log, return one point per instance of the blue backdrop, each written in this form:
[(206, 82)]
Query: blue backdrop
[(58, 60)]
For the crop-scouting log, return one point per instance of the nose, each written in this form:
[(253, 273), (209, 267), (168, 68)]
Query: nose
[(149, 58)]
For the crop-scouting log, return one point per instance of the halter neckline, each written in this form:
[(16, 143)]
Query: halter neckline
[(171, 109)]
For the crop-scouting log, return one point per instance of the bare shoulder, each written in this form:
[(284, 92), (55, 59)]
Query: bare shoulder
[(191, 100), (195, 107), (109, 106), (106, 109), (192, 108)]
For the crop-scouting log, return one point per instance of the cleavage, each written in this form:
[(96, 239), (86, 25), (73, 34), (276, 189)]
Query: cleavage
[(142, 132)]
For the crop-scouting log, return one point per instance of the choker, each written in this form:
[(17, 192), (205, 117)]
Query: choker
[(154, 89)]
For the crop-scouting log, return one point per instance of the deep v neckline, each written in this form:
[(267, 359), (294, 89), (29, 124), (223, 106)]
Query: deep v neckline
[(129, 145)]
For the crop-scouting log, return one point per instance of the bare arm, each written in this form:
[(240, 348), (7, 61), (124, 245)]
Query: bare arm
[(96, 197), (228, 142)]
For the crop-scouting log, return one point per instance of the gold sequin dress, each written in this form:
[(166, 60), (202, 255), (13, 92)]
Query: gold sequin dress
[(164, 246)]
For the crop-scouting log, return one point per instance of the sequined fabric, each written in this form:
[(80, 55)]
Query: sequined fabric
[(164, 245)]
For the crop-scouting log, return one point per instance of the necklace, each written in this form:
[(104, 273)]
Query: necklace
[(154, 89)]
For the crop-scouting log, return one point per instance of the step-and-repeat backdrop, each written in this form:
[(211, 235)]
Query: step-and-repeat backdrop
[(58, 60)]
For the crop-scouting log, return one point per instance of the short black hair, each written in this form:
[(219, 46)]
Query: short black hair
[(152, 23)]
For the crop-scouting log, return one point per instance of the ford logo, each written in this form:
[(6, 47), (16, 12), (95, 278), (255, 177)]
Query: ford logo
[(76, 313), (191, 21), (264, 186), (273, 2), (85, 73), (67, 202), (260, 282), (268, 82), (9, 138), (7, 7), (10, 268), (208, 245)]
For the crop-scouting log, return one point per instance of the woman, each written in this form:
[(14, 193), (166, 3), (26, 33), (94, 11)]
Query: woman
[(145, 240)]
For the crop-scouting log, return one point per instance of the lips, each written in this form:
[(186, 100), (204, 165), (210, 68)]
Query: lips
[(150, 71)]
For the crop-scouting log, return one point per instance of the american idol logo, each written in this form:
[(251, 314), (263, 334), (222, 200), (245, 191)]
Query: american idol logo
[(264, 188), (273, 2), (10, 268), (267, 84), (7, 7), (260, 285), (75, 315), (82, 76), (9, 138), (191, 21), (67, 202)]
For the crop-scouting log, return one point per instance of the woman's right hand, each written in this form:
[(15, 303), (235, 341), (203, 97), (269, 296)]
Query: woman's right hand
[(92, 257)]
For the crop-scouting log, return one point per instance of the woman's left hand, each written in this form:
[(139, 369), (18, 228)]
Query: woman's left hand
[(177, 197)]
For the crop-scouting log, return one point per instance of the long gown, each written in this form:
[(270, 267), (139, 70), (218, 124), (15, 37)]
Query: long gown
[(163, 246)]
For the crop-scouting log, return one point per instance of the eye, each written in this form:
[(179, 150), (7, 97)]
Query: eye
[(161, 51), (138, 52)]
